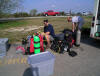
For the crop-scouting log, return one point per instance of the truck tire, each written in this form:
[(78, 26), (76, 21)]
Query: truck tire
[(46, 15), (56, 15)]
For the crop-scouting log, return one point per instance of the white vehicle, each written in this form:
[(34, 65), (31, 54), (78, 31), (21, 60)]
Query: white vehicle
[(95, 27)]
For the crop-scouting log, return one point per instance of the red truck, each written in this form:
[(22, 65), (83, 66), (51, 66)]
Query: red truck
[(51, 13)]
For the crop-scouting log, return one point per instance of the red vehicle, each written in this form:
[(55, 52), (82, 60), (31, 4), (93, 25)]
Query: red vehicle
[(51, 13)]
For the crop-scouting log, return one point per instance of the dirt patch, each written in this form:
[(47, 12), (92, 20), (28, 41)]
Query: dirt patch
[(23, 29)]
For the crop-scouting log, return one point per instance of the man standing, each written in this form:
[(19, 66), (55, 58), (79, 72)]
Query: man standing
[(48, 32), (77, 23)]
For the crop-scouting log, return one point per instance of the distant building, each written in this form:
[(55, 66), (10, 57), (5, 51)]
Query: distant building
[(85, 13), (68, 14)]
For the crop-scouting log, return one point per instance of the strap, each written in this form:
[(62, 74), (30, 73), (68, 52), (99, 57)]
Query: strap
[(37, 42), (36, 47)]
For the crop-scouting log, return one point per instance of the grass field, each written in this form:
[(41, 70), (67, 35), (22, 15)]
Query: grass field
[(6, 28)]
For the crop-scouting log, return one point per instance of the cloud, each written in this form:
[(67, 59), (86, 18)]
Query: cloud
[(53, 6)]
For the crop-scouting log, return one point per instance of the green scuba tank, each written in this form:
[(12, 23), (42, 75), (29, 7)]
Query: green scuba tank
[(36, 44)]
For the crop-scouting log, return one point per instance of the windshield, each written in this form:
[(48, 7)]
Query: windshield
[(50, 11)]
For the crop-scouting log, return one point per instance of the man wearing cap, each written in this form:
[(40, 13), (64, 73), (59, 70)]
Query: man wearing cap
[(48, 32)]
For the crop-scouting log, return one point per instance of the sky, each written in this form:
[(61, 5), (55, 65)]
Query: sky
[(57, 5)]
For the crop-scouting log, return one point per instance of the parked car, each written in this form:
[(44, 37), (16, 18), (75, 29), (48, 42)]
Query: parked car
[(51, 13)]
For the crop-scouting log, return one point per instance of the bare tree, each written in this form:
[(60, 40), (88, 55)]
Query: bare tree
[(9, 5)]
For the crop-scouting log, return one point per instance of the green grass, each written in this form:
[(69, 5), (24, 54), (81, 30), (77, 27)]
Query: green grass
[(58, 23), (88, 20), (9, 24)]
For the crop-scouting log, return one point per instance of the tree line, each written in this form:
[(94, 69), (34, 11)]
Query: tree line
[(7, 6), (33, 13)]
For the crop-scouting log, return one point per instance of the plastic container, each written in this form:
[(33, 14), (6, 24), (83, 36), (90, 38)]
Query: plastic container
[(42, 64), (3, 46)]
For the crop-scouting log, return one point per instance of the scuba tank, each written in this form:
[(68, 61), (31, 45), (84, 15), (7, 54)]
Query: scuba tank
[(78, 37), (36, 44)]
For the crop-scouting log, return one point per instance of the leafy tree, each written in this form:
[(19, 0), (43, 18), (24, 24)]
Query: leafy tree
[(33, 12), (79, 14), (40, 14), (62, 13), (21, 14)]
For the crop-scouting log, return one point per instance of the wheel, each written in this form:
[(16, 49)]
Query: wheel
[(46, 15), (56, 15)]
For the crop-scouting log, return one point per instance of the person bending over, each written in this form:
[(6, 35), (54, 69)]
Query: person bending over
[(77, 22)]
